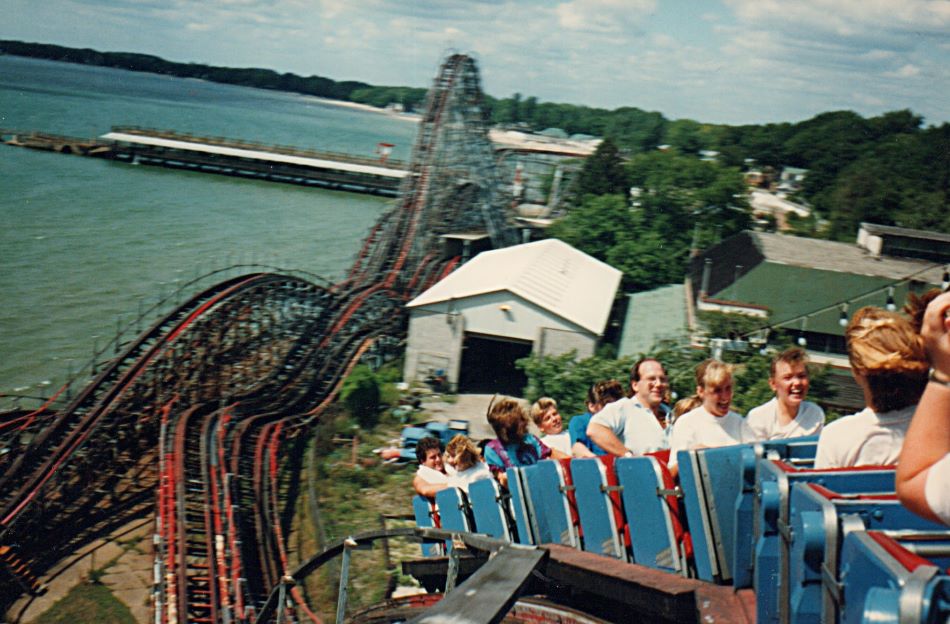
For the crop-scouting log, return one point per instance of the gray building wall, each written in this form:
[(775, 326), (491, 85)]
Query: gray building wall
[(436, 332), (435, 342)]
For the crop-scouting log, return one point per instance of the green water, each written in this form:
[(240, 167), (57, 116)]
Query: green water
[(85, 244)]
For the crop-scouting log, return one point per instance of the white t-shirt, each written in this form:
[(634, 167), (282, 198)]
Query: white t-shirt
[(634, 424), (461, 479), (559, 441), (937, 489), (698, 428), (863, 439), (763, 420), (431, 475)]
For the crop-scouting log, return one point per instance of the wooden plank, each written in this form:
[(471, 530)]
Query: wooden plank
[(494, 588)]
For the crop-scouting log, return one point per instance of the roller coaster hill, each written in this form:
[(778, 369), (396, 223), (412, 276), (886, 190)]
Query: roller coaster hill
[(194, 419), (191, 419)]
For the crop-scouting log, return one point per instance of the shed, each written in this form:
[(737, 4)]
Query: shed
[(544, 298)]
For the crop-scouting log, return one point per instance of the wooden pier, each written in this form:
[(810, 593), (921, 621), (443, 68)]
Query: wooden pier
[(142, 146)]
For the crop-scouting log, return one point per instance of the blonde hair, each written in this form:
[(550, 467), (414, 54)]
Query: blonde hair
[(508, 420), (464, 451), (712, 372), (886, 351), (541, 406), (686, 404)]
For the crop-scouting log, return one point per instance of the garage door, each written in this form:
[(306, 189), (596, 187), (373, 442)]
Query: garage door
[(488, 365)]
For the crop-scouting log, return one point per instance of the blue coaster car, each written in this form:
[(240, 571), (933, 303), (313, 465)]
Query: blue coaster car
[(895, 576), (820, 519), (775, 479)]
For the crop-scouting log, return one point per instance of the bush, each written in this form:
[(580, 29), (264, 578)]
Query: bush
[(361, 396)]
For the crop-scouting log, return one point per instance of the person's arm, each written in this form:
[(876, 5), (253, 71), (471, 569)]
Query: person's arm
[(424, 488), (928, 437), (580, 450), (606, 439), (556, 454)]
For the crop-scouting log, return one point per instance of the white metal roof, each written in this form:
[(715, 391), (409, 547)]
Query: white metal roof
[(237, 152), (548, 273)]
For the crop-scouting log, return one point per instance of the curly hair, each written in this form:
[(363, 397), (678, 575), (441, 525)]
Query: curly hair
[(465, 452), (509, 421), (604, 392), (425, 445), (889, 354)]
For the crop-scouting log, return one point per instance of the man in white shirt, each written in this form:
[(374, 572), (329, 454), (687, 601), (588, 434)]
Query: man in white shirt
[(430, 476), (712, 424), (636, 425), (788, 414)]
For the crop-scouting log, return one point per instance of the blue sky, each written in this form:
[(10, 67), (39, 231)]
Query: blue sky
[(723, 61)]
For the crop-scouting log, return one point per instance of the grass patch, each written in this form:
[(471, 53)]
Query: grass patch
[(88, 603), (351, 498)]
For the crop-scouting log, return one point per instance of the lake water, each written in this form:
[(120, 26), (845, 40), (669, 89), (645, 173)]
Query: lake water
[(84, 241)]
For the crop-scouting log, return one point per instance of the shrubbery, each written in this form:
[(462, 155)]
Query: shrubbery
[(361, 395)]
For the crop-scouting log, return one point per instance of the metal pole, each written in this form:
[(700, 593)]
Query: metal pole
[(348, 545), (453, 570)]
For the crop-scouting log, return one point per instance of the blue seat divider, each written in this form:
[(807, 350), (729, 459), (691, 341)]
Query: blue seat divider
[(520, 508), (653, 533), (423, 509), (885, 582), (820, 517), (772, 523), (595, 509), (544, 483), (489, 509), (711, 483), (795, 451), (453, 511)]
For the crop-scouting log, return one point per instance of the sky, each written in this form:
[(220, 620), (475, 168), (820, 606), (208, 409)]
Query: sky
[(714, 61)]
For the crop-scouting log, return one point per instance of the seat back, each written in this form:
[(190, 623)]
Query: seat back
[(599, 507), (426, 516), (490, 509), (521, 507), (658, 537), (454, 511), (545, 487), (711, 484)]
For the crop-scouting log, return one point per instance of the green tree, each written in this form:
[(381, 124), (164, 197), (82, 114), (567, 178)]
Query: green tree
[(361, 395), (602, 173)]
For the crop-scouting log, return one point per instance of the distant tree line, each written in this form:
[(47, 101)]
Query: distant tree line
[(887, 169)]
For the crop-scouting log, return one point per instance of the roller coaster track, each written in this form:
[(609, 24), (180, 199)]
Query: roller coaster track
[(190, 419)]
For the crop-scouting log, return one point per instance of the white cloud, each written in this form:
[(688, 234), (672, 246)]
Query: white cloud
[(907, 71)]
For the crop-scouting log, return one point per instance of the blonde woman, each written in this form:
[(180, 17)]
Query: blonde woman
[(889, 362), (713, 423), (464, 456)]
